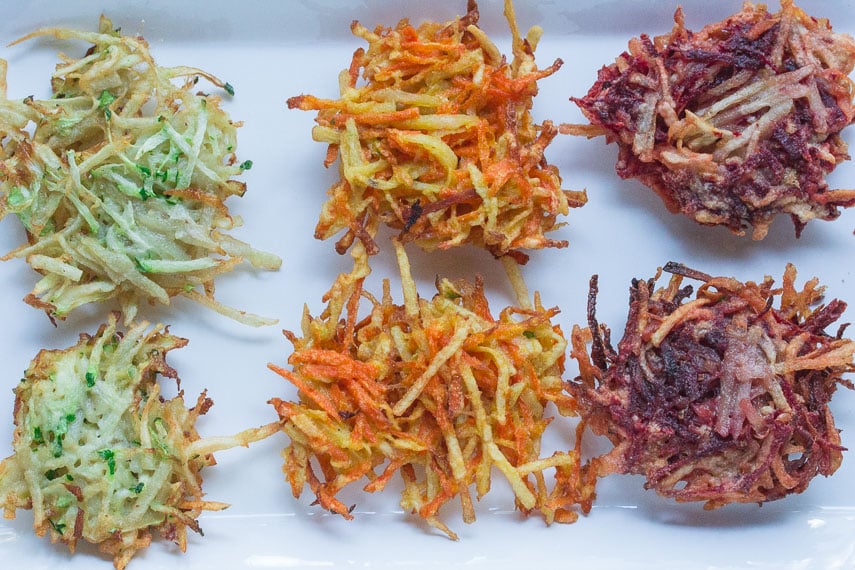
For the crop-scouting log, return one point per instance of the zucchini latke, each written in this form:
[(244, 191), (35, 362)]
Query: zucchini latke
[(120, 180), (100, 455)]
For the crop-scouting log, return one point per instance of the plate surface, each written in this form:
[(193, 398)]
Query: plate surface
[(272, 51)]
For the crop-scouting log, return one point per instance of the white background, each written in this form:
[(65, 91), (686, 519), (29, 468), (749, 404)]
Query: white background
[(270, 52)]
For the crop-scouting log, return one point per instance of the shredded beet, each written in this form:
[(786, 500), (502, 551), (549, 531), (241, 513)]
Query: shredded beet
[(733, 124), (722, 398)]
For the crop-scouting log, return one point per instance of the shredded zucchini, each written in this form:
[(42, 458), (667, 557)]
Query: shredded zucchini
[(120, 179), (99, 455)]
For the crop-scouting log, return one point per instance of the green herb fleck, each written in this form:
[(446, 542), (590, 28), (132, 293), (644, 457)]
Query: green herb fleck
[(51, 474), (138, 489), (68, 477), (229, 89), (56, 444), (38, 438), (90, 379), (58, 527), (110, 458), (246, 165), (529, 334), (104, 102)]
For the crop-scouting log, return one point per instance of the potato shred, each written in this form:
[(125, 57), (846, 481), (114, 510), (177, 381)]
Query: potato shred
[(100, 455), (438, 390), (722, 398), (437, 141), (736, 123), (120, 180)]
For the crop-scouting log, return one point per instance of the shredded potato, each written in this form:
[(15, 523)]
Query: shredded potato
[(735, 123), (438, 390), (120, 180), (100, 455), (438, 141), (722, 398)]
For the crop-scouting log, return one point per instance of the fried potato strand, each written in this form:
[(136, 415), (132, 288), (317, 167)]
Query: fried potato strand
[(723, 398), (100, 455), (120, 180), (438, 390), (437, 141), (735, 123)]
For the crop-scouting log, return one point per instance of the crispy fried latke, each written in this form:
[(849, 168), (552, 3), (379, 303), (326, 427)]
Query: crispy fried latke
[(100, 455), (736, 123), (120, 180), (438, 390), (438, 141), (723, 398)]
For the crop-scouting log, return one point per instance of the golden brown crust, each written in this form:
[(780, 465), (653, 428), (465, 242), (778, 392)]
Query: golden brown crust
[(435, 139), (439, 391)]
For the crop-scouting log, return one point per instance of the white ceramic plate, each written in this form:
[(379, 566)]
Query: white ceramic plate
[(270, 51)]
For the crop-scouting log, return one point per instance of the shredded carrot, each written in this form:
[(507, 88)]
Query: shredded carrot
[(437, 390), (437, 141)]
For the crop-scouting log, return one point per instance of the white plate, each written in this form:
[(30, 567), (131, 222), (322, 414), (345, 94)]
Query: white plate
[(272, 51)]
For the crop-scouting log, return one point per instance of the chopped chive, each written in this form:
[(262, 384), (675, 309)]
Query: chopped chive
[(104, 102), (109, 456), (529, 334), (138, 489), (58, 527), (246, 165), (105, 99), (56, 445), (229, 89)]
